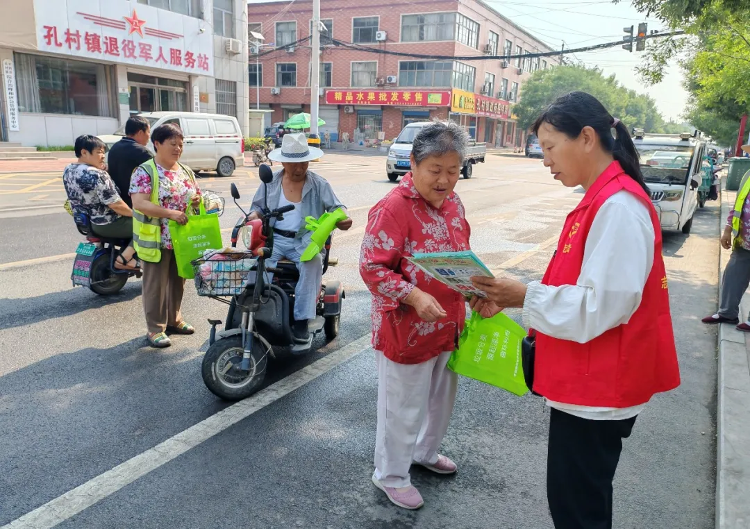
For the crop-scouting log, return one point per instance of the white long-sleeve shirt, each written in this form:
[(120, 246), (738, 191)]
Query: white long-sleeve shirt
[(617, 261)]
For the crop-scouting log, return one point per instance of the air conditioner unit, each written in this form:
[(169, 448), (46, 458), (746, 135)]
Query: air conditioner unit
[(380, 81), (381, 36), (253, 50), (391, 79), (519, 71), (501, 95), (275, 91), (321, 92), (483, 90), (487, 49), (233, 46), (290, 49), (504, 64), (348, 109)]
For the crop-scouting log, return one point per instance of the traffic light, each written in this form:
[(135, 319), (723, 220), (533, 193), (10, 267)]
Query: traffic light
[(628, 39), (640, 41)]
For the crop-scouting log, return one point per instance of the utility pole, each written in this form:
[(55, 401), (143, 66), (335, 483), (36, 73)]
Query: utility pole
[(315, 63), (562, 52)]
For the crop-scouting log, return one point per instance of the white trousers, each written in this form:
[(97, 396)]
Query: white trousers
[(415, 403)]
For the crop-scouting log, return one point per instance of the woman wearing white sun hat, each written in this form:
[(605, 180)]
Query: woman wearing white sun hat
[(311, 195)]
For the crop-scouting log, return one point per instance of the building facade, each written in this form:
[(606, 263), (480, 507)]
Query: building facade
[(372, 95), (73, 67)]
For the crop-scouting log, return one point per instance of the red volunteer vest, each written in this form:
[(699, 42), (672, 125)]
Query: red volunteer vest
[(626, 365)]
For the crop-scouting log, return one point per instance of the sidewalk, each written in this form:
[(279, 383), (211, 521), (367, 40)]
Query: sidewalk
[(733, 413)]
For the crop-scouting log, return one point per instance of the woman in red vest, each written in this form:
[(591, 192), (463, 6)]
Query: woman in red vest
[(600, 316)]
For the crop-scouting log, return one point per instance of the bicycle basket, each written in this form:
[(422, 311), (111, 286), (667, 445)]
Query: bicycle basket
[(223, 273)]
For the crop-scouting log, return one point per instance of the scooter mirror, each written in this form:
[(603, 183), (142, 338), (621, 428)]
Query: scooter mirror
[(266, 174), (235, 192)]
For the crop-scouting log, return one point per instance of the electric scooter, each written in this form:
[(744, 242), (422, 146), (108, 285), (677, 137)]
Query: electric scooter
[(260, 317)]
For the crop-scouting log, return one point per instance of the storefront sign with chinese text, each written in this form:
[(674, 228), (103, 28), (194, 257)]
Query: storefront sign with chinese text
[(11, 100), (416, 98), (125, 32), (463, 102)]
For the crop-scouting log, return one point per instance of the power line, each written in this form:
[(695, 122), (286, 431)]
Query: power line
[(353, 46)]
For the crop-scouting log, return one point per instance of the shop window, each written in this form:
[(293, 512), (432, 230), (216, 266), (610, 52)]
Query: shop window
[(224, 18), (369, 125), (429, 27), (153, 94), (226, 97), (326, 37), (364, 74), (365, 29), (286, 33), (256, 74), (184, 7), (59, 86), (464, 76), (425, 73), (326, 74), (286, 74)]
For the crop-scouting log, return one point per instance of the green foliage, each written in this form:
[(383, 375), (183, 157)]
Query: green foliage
[(715, 57), (544, 86), (254, 144), (61, 148)]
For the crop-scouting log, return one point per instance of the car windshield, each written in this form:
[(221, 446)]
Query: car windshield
[(408, 134), (121, 130), (665, 164)]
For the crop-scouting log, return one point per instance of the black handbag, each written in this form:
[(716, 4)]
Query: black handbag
[(528, 356)]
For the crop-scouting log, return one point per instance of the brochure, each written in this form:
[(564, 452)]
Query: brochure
[(453, 269)]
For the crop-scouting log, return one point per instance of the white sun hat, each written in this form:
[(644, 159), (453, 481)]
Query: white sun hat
[(294, 148)]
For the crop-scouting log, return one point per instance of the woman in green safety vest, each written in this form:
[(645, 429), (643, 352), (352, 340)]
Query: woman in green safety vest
[(737, 274), (162, 189)]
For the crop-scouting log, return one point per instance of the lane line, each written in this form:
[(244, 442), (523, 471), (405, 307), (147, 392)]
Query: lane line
[(514, 261), (30, 188), (38, 260), (104, 485), (39, 197), (33, 207)]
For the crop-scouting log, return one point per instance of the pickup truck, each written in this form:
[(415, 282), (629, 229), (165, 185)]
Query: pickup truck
[(398, 163)]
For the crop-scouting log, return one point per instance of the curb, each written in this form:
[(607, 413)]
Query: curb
[(732, 415)]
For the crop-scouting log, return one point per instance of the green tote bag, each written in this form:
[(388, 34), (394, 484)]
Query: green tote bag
[(489, 350), (190, 240)]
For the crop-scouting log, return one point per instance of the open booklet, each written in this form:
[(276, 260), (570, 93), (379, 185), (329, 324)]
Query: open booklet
[(453, 269)]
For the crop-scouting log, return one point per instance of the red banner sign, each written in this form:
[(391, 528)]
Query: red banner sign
[(405, 98), (492, 108)]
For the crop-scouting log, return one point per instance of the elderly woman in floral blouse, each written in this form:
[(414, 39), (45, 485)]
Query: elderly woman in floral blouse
[(415, 321)]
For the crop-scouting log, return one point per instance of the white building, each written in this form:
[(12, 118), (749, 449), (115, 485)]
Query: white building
[(73, 67)]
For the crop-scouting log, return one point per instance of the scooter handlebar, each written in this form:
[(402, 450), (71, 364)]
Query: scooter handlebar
[(284, 209)]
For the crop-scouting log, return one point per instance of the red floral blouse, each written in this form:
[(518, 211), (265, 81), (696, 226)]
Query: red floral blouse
[(402, 224)]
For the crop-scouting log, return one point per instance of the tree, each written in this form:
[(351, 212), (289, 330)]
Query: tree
[(544, 86), (716, 59)]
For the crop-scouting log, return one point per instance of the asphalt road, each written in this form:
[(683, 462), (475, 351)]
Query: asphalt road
[(80, 393)]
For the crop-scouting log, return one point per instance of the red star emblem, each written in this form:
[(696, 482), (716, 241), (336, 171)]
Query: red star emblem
[(136, 24)]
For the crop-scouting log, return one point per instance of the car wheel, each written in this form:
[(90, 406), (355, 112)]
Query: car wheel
[(468, 170), (393, 177), (225, 167), (688, 225)]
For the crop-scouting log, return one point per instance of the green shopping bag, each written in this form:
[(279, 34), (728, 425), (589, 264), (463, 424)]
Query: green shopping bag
[(489, 350), (201, 233)]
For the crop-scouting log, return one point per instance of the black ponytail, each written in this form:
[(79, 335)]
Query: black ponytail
[(572, 112)]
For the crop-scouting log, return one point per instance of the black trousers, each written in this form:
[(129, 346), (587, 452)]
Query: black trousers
[(582, 458)]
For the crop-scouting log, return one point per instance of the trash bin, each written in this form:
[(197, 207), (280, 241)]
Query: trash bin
[(737, 169)]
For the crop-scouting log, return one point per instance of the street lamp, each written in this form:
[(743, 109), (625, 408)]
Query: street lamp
[(258, 44)]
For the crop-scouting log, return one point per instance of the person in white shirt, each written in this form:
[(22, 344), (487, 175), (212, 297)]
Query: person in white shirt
[(600, 317)]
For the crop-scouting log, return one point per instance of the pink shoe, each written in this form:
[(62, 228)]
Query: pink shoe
[(443, 465), (409, 499)]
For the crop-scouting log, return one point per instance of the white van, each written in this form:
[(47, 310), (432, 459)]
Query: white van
[(672, 168), (213, 142)]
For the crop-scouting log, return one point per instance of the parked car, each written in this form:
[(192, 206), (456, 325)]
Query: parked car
[(532, 147), (275, 133), (213, 142), (398, 163)]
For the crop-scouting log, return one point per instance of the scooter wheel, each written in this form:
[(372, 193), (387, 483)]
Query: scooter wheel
[(103, 280), (331, 327), (221, 368)]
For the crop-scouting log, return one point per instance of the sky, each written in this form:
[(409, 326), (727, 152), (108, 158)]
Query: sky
[(581, 23)]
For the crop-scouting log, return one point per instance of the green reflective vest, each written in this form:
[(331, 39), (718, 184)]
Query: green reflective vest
[(147, 230), (739, 203)]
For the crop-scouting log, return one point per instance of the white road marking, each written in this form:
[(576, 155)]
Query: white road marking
[(38, 260), (84, 496)]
